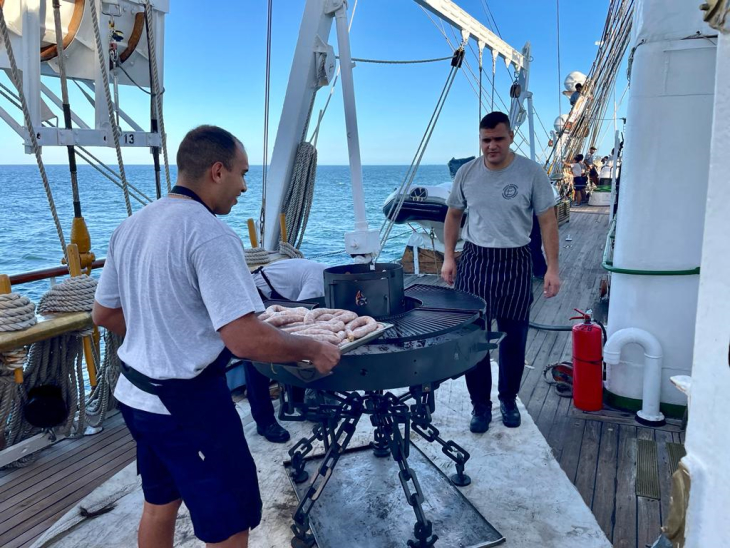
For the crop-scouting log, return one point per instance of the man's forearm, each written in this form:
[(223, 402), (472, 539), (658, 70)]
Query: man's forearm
[(550, 238), (451, 232), (250, 338)]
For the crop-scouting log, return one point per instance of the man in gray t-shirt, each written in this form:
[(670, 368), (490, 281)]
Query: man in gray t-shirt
[(501, 191)]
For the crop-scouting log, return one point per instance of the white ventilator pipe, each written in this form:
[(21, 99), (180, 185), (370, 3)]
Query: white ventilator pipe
[(653, 358), (663, 193)]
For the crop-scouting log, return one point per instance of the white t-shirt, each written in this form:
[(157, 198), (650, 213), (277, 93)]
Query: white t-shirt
[(577, 169), (294, 279), (179, 274), (605, 172)]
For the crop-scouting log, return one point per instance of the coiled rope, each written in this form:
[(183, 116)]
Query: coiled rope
[(300, 193), (101, 400), (16, 313), (257, 255)]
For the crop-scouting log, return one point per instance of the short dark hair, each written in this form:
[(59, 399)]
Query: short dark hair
[(579, 158), (579, 86), (204, 146), (493, 119), (593, 148)]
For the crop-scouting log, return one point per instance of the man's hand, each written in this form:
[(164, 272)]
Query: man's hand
[(326, 357), (448, 271), (552, 284)]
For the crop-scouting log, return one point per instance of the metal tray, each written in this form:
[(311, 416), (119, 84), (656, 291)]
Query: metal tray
[(307, 372)]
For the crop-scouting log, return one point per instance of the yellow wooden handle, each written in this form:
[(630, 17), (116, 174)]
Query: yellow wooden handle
[(74, 260), (74, 267), (282, 224), (252, 233), (4, 284)]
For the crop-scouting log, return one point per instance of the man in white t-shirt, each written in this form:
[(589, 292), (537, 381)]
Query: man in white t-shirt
[(177, 287)]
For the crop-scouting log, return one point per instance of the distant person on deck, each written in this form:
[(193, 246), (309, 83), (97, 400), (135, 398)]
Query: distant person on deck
[(579, 179), (576, 94), (290, 280), (605, 176), (177, 287), (501, 190)]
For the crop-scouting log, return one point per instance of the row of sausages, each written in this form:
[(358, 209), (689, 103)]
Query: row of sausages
[(330, 325)]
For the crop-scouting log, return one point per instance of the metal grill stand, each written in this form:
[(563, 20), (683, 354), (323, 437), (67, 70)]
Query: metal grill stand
[(336, 423)]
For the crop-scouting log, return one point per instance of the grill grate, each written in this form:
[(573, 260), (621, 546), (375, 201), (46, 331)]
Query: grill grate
[(423, 323), (444, 298)]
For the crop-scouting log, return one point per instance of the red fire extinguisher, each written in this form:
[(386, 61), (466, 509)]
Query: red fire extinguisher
[(587, 363)]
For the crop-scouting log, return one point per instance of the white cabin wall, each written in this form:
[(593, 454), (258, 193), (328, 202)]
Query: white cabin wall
[(708, 442), (663, 190)]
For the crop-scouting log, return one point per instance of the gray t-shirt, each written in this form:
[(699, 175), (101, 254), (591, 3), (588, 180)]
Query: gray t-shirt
[(501, 202), (179, 274)]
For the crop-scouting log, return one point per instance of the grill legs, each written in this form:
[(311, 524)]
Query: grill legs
[(335, 428)]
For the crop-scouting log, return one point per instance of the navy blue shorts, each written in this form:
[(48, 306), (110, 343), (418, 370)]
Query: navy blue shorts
[(204, 460)]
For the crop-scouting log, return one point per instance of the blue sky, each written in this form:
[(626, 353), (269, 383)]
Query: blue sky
[(214, 73)]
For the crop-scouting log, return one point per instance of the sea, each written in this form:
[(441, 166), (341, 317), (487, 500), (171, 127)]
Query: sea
[(29, 241)]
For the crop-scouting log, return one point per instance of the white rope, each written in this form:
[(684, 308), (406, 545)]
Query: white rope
[(257, 255), (74, 294), (18, 83), (156, 87), (101, 399), (110, 106), (16, 312), (290, 251), (299, 196)]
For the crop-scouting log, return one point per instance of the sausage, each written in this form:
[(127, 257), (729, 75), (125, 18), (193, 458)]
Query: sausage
[(346, 316), (322, 337), (313, 315), (360, 327), (282, 319)]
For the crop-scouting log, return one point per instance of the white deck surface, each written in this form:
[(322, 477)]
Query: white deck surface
[(516, 484)]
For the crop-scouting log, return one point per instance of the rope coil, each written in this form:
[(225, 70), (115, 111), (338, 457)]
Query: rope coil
[(72, 295), (257, 255), (290, 251), (16, 312)]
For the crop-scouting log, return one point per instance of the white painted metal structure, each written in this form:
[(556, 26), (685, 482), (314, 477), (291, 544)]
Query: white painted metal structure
[(312, 68), (708, 443), (30, 23), (663, 190)]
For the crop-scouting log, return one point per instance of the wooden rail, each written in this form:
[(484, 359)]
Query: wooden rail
[(46, 273)]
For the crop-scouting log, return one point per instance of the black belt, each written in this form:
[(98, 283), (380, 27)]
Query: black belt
[(158, 386)]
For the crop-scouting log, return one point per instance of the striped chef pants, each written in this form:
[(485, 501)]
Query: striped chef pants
[(503, 278)]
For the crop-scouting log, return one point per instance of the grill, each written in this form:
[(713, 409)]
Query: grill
[(437, 334), (433, 311)]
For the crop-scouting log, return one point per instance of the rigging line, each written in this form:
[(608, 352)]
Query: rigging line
[(407, 62), (66, 108), (17, 82), (155, 85), (107, 94), (485, 4), (388, 224), (417, 162), (267, 92), (10, 99), (560, 95)]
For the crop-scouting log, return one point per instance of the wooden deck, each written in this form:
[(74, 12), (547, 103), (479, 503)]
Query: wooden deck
[(598, 452), (32, 498)]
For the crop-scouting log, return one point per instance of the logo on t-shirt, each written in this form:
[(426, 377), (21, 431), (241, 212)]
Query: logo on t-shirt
[(509, 192)]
